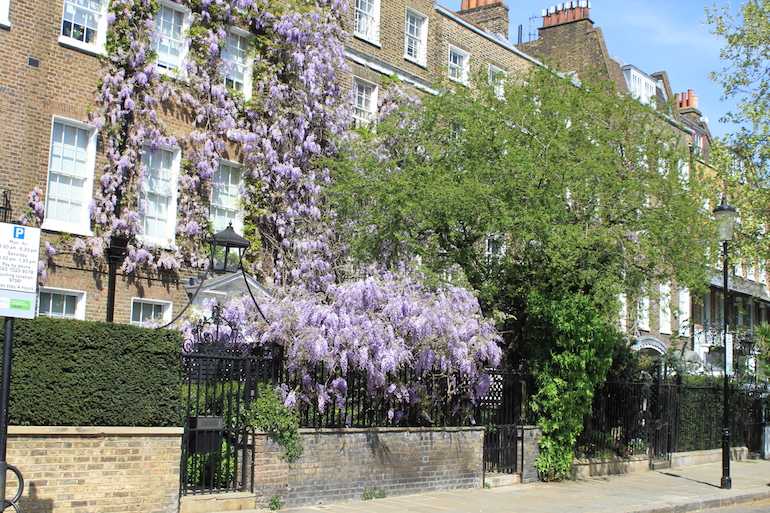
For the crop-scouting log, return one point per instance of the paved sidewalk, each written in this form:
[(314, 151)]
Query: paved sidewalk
[(672, 490)]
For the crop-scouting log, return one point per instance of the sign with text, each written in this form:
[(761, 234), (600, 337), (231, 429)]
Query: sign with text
[(19, 255)]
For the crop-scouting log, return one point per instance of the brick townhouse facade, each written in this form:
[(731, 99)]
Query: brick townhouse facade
[(51, 68), (569, 41)]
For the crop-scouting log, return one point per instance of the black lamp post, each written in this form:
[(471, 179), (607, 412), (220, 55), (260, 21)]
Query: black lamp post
[(725, 217), (116, 252), (226, 246)]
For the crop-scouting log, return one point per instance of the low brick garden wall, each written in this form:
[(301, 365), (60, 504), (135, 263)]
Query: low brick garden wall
[(340, 464), (95, 469)]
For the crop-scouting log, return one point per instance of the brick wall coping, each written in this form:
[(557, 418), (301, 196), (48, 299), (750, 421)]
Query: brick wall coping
[(94, 431), (389, 429)]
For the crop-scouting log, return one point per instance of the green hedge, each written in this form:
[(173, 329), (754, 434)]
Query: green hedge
[(81, 373)]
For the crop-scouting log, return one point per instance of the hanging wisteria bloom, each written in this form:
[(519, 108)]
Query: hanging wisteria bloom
[(374, 328)]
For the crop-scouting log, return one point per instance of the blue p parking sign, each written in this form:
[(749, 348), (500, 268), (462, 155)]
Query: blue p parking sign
[(18, 232)]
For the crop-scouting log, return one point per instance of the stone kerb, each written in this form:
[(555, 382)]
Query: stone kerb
[(96, 469)]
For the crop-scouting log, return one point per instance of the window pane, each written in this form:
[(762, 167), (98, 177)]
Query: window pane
[(58, 305), (414, 36), (157, 206), (67, 172), (224, 196), (169, 49), (235, 62), (363, 109), (81, 20), (366, 17), (142, 312)]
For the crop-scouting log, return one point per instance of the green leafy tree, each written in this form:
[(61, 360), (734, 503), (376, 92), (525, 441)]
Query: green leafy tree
[(745, 76), (741, 159), (552, 196)]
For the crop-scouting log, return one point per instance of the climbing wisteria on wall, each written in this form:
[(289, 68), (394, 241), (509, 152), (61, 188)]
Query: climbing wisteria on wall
[(296, 110), (374, 326)]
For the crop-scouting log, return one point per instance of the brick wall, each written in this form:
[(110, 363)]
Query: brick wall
[(96, 469), (532, 434), (337, 465)]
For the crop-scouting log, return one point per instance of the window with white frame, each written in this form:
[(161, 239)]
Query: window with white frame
[(367, 20), (643, 314), (158, 201), (84, 24), (364, 101), (70, 176), (664, 310), (685, 312), (416, 37), (497, 79), (61, 303), (171, 23), (143, 310), (5, 13), (622, 312), (494, 250), (236, 62), (458, 65), (641, 86), (225, 197)]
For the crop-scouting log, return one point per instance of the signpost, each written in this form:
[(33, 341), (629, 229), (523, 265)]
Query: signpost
[(19, 255)]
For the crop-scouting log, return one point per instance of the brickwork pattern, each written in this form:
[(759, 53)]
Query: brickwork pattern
[(532, 435), (442, 32), (493, 17), (96, 470), (338, 465)]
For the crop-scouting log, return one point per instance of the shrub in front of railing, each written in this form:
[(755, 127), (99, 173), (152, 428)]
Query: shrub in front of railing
[(82, 373)]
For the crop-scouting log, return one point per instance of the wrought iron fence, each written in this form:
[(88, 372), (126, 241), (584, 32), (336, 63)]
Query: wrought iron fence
[(659, 418), (219, 384)]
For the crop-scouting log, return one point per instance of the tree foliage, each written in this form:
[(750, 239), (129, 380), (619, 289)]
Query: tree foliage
[(552, 186), (746, 75), (548, 201)]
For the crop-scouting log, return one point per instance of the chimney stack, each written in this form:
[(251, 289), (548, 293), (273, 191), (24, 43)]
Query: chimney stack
[(687, 99), (488, 14), (567, 11)]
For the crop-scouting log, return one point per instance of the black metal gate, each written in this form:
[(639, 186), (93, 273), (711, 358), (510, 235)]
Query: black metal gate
[(217, 389), (502, 412)]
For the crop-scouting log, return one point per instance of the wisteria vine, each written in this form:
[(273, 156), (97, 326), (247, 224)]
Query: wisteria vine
[(376, 326)]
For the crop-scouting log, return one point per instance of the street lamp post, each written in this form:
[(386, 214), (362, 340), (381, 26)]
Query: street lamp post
[(725, 217)]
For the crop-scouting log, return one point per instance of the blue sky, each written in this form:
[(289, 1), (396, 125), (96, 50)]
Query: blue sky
[(653, 35)]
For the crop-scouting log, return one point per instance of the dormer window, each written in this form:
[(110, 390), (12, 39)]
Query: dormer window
[(640, 85)]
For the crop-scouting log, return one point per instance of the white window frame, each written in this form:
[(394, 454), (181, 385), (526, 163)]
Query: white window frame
[(169, 235), (5, 13), (416, 45), (366, 25), (494, 248), (623, 312), (499, 85), (458, 72), (685, 312), (183, 43), (80, 302), (664, 309), (97, 46), (83, 225), (359, 108), (643, 314), (246, 64), (165, 305), (236, 210)]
